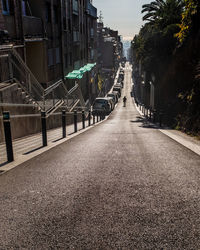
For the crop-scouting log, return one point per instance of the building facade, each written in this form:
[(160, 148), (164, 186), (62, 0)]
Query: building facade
[(110, 53), (53, 37)]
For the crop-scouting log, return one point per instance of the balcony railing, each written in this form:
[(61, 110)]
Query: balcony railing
[(33, 27), (75, 7)]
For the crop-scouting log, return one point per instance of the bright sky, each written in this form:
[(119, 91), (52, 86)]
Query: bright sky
[(122, 15)]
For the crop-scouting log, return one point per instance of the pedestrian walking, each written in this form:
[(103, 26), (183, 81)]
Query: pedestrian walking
[(124, 101)]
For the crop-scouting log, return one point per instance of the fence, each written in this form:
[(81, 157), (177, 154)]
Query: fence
[(159, 117)]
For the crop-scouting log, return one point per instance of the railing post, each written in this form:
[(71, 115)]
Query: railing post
[(160, 118), (150, 114), (75, 121), (89, 118), (154, 116), (94, 119), (44, 128), (64, 123), (29, 83), (10, 68), (8, 136), (83, 118)]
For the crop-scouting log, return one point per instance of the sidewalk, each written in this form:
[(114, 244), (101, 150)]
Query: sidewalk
[(188, 141), (28, 144)]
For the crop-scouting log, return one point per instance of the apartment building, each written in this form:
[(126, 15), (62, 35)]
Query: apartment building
[(53, 37), (110, 52)]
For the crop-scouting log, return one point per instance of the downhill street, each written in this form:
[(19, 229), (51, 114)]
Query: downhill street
[(120, 185)]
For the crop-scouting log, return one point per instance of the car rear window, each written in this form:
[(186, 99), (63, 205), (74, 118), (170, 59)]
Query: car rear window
[(100, 101)]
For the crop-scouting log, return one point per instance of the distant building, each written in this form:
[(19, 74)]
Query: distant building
[(110, 52)]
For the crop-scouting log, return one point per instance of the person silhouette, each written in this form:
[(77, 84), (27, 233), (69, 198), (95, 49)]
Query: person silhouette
[(124, 101)]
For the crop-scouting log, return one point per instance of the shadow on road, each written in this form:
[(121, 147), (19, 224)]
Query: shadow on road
[(145, 123), (33, 150), (3, 164)]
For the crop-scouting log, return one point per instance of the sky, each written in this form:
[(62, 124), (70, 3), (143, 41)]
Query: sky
[(122, 15)]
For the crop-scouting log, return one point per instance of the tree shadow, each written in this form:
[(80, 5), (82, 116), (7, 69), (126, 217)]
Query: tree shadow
[(145, 123)]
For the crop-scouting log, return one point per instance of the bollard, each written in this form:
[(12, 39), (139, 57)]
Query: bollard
[(83, 118), (97, 118), (89, 118), (44, 128), (160, 119), (154, 116), (150, 114), (93, 119), (8, 136), (64, 123), (75, 121)]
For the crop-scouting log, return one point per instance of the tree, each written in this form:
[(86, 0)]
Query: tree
[(190, 18), (163, 13)]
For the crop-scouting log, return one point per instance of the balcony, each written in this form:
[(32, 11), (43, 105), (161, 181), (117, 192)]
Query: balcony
[(75, 7), (33, 27), (76, 36), (92, 11)]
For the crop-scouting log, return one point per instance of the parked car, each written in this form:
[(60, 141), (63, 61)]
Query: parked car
[(117, 94), (114, 95), (112, 102), (101, 106), (118, 89), (118, 85), (121, 82), (121, 76)]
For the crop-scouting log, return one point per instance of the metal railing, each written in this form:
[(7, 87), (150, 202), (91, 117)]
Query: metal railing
[(14, 69)]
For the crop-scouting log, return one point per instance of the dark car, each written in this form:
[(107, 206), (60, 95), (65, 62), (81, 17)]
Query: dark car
[(114, 96), (118, 89), (101, 106)]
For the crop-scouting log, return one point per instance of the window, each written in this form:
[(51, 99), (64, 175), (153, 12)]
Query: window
[(66, 60), (26, 11), (48, 12), (55, 14), (5, 5), (57, 52), (50, 57)]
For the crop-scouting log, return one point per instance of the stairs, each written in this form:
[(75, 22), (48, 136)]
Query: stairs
[(21, 81)]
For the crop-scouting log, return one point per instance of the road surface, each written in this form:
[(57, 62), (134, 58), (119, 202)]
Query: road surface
[(121, 185)]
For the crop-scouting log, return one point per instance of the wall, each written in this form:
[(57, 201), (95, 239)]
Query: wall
[(35, 59)]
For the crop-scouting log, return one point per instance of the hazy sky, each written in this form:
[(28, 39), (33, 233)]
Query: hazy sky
[(122, 15)]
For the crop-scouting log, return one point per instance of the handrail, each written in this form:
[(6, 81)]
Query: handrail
[(34, 90), (27, 69), (52, 87)]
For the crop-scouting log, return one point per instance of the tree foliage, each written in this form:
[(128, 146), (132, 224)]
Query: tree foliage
[(187, 19)]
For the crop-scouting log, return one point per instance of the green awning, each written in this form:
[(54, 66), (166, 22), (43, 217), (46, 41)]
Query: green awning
[(75, 74), (78, 74), (83, 69)]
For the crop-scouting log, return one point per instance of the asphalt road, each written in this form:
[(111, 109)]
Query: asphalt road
[(121, 185)]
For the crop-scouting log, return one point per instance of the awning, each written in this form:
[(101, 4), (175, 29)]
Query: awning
[(78, 74)]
